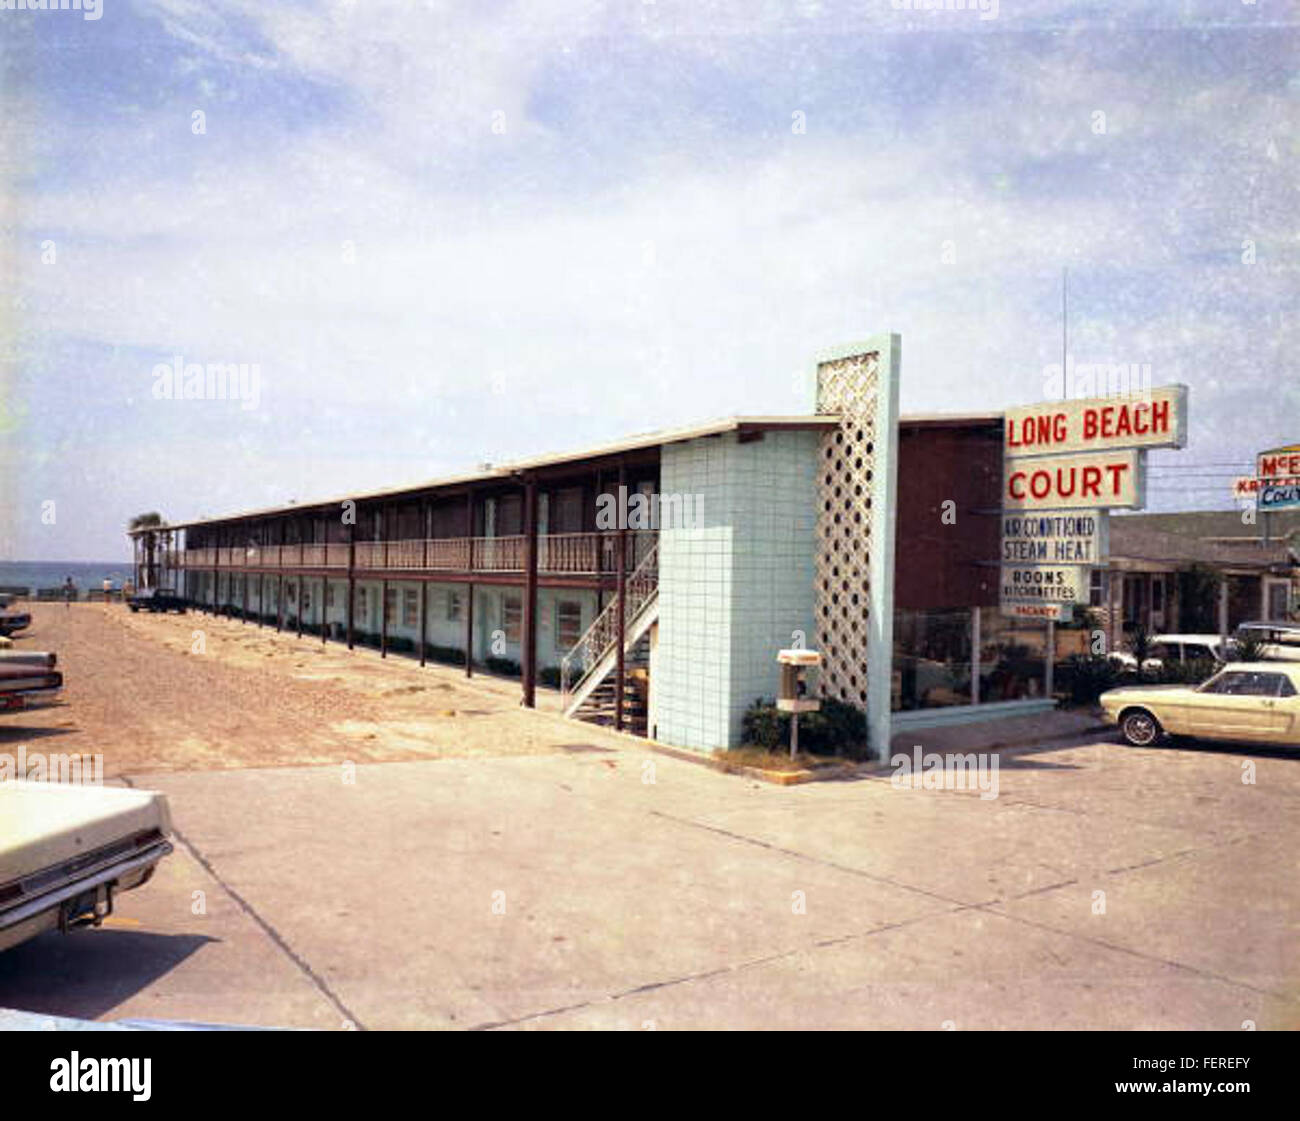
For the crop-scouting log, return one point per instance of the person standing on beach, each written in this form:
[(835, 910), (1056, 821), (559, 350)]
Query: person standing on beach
[(69, 593), (108, 590)]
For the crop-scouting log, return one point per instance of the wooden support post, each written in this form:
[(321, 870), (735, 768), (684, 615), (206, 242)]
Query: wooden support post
[(620, 678), (243, 597), (352, 580), (530, 594), (324, 614), (468, 607), (383, 616), (424, 615), (298, 590)]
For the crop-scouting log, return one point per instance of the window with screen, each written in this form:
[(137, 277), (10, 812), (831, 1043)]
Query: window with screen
[(568, 623), (512, 612)]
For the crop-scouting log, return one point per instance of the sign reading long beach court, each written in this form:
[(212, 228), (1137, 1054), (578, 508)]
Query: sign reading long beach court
[(1066, 463)]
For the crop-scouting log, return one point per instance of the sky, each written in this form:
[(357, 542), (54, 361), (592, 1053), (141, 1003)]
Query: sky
[(438, 234)]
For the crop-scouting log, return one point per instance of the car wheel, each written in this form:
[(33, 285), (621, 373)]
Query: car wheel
[(1140, 728)]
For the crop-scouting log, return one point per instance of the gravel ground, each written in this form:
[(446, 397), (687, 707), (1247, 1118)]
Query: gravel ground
[(196, 692)]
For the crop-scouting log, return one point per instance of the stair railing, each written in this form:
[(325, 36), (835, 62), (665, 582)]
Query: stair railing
[(599, 638)]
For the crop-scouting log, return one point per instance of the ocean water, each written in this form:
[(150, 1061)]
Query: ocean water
[(86, 575)]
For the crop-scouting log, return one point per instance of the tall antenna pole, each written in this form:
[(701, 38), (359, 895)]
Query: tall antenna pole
[(1049, 653), (1065, 319)]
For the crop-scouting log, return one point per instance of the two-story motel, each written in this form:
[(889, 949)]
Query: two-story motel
[(824, 530)]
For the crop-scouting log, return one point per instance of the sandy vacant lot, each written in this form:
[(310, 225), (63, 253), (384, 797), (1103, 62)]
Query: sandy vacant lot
[(198, 692)]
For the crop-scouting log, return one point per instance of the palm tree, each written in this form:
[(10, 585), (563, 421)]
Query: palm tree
[(149, 540)]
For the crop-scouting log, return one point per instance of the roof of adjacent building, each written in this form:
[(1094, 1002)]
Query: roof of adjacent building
[(1133, 538), (1220, 526)]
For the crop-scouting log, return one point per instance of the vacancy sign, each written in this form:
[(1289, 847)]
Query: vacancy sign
[(1278, 479), (1037, 588), (1154, 419), (1055, 537), (1094, 480)]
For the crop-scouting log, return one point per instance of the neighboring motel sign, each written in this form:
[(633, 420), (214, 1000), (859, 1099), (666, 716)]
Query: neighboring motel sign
[(1086, 481), (1055, 537), (1278, 479), (1156, 419)]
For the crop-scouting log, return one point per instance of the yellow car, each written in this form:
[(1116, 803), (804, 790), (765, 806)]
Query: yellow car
[(1254, 701)]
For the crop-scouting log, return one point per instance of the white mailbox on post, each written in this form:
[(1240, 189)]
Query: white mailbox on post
[(793, 696)]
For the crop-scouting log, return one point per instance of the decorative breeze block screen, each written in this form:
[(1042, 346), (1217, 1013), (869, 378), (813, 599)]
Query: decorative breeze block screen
[(849, 387)]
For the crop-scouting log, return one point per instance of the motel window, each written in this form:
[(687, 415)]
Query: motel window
[(453, 607), (935, 666), (1097, 588), (568, 623), (390, 606), (932, 659), (512, 613), (410, 608), (306, 598), (329, 595), (361, 602), (290, 594)]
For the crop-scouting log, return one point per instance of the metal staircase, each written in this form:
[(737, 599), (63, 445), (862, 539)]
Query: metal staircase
[(586, 687)]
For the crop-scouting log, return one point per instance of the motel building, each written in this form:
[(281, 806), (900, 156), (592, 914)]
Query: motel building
[(654, 580)]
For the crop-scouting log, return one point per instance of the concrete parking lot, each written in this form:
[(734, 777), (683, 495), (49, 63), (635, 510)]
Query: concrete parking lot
[(591, 883), (567, 891)]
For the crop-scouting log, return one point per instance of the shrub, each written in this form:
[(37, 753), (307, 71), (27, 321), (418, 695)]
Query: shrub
[(1184, 673), (549, 676), (1085, 678), (764, 726), (1249, 648), (837, 728), (504, 666), (449, 655)]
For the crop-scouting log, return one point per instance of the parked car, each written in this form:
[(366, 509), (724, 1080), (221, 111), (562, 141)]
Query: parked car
[(1178, 648), (11, 657), (1281, 640), (1257, 702), (67, 851), (27, 686), (157, 599), (13, 621)]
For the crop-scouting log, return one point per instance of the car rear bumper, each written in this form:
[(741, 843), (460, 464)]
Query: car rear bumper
[(58, 898)]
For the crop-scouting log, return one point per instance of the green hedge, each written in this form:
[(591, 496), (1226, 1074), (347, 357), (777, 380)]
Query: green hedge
[(836, 729), (504, 666)]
